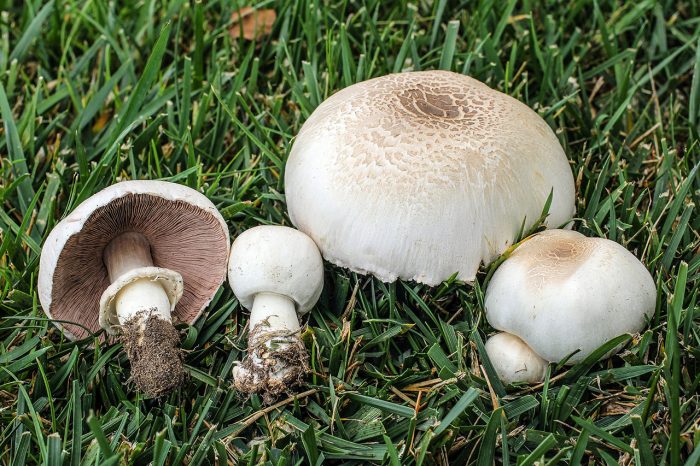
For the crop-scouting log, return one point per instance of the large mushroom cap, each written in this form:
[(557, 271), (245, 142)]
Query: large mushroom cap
[(421, 175), (185, 231), (276, 259), (561, 292)]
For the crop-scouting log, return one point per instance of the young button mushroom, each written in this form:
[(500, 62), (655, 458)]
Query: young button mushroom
[(513, 360), (123, 259), (420, 175), (561, 292), (277, 273)]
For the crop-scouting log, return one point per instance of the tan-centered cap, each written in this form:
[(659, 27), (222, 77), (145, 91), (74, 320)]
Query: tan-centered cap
[(422, 175)]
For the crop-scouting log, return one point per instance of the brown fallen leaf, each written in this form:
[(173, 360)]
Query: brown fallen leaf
[(252, 24), (102, 121)]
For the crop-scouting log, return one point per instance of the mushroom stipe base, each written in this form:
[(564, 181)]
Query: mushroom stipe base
[(152, 346), (275, 364)]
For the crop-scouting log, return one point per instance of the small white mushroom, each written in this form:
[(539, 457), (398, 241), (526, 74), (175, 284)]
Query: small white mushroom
[(134, 259), (420, 175), (561, 292), (513, 360), (277, 273)]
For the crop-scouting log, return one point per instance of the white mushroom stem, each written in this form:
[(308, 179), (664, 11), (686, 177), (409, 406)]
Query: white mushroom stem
[(143, 297), (138, 303), (275, 312), (275, 350), (514, 360)]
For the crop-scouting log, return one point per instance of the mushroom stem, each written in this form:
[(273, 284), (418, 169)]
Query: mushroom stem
[(143, 310), (144, 297), (274, 311), (277, 357)]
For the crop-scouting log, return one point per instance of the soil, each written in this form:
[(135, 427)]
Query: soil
[(279, 368), (152, 346)]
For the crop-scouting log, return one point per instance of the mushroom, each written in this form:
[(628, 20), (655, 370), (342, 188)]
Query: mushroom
[(513, 360), (420, 175), (123, 260), (277, 273), (563, 293)]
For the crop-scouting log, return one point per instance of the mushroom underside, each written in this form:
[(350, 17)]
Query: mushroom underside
[(182, 237)]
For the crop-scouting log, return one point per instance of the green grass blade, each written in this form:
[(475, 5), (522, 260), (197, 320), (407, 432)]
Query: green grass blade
[(464, 402), (488, 443), (33, 31), (25, 192)]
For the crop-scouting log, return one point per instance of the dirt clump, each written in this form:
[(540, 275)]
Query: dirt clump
[(153, 348), (276, 364)]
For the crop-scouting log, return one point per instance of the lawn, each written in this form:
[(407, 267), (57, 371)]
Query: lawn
[(94, 92)]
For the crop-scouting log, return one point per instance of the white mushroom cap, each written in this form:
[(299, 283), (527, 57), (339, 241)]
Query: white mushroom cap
[(421, 175), (514, 360), (185, 231), (561, 291), (276, 259)]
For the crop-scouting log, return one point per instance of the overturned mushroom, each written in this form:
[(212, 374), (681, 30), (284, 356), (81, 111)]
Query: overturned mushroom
[(421, 175), (135, 259), (561, 292), (277, 273)]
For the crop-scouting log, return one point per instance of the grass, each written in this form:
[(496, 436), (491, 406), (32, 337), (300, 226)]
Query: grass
[(94, 92)]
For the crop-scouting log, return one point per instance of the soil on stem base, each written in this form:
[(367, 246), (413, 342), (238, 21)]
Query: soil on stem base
[(276, 363), (152, 346)]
